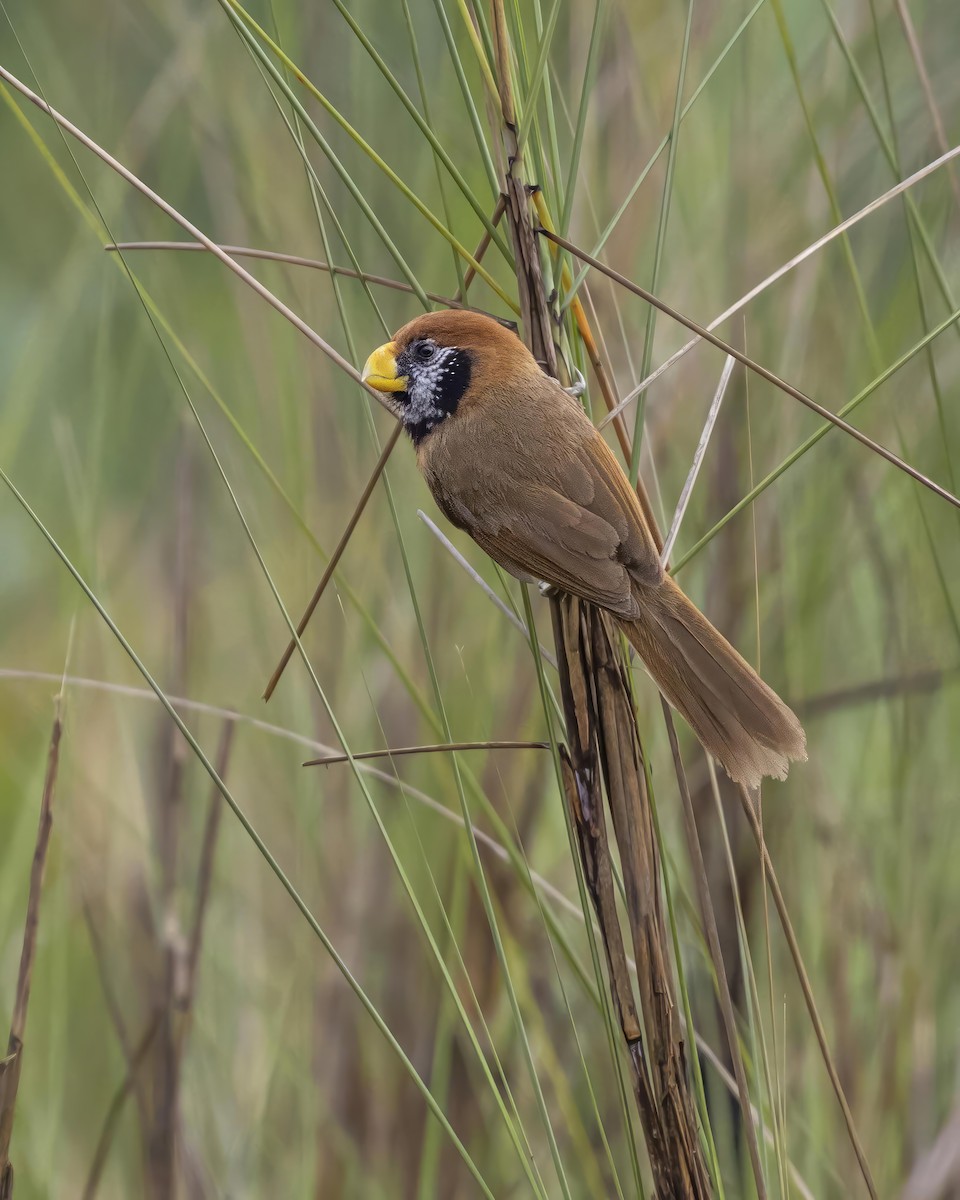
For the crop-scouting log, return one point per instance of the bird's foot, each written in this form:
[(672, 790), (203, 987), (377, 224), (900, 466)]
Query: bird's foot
[(578, 387)]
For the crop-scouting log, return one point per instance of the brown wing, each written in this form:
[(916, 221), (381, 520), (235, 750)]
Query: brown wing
[(549, 537), (616, 502), (559, 508)]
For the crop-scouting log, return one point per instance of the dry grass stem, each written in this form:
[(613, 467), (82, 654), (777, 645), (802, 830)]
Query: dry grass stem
[(486, 970), (709, 920), (756, 367), (251, 281), (687, 492), (470, 273), (292, 260), (334, 560), (753, 820), (837, 231), (603, 748), (482, 584), (910, 32), (378, 469), (10, 1065), (440, 748)]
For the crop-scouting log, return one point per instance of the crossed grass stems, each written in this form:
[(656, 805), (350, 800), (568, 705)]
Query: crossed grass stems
[(569, 299)]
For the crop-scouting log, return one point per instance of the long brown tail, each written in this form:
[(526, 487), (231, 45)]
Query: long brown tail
[(743, 723)]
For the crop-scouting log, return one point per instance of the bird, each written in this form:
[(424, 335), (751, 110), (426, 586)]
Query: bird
[(516, 463)]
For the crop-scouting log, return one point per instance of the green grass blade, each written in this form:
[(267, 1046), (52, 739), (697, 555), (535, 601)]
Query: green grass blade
[(664, 143), (424, 925), (586, 91), (423, 124), (554, 718), (537, 77), (651, 322), (422, 88), (241, 20), (465, 91), (815, 437), (254, 836), (260, 54)]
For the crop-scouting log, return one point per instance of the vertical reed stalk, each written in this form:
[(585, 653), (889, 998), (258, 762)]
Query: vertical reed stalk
[(10, 1065), (604, 749), (604, 752)]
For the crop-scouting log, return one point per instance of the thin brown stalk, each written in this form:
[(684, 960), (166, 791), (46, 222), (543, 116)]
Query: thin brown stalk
[(603, 747), (604, 381), (335, 557), (440, 748), (165, 1059), (916, 53), (754, 822), (293, 260), (756, 367), (115, 1108), (918, 683), (212, 710), (471, 271), (482, 584), (837, 231), (204, 880), (482, 248), (112, 1001), (137, 183), (10, 1066), (713, 942)]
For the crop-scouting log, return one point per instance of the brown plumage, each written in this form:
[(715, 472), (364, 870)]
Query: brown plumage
[(515, 462)]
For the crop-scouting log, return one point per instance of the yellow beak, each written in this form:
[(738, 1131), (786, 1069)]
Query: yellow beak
[(380, 370)]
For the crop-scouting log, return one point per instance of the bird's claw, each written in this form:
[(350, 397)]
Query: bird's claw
[(578, 387)]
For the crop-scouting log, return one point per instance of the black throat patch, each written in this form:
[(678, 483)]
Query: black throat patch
[(435, 390)]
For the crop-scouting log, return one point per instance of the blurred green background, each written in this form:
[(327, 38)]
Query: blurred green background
[(843, 581)]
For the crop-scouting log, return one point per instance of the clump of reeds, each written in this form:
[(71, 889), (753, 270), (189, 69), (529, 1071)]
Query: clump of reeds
[(428, 1025)]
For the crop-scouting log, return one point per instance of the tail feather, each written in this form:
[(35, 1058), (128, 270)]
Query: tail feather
[(740, 720)]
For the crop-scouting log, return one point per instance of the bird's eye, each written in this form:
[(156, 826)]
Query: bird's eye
[(424, 351)]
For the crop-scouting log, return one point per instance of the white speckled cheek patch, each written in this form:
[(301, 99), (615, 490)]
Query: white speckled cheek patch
[(427, 385)]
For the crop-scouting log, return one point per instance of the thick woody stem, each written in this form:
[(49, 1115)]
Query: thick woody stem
[(604, 748), (603, 753), (534, 311)]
